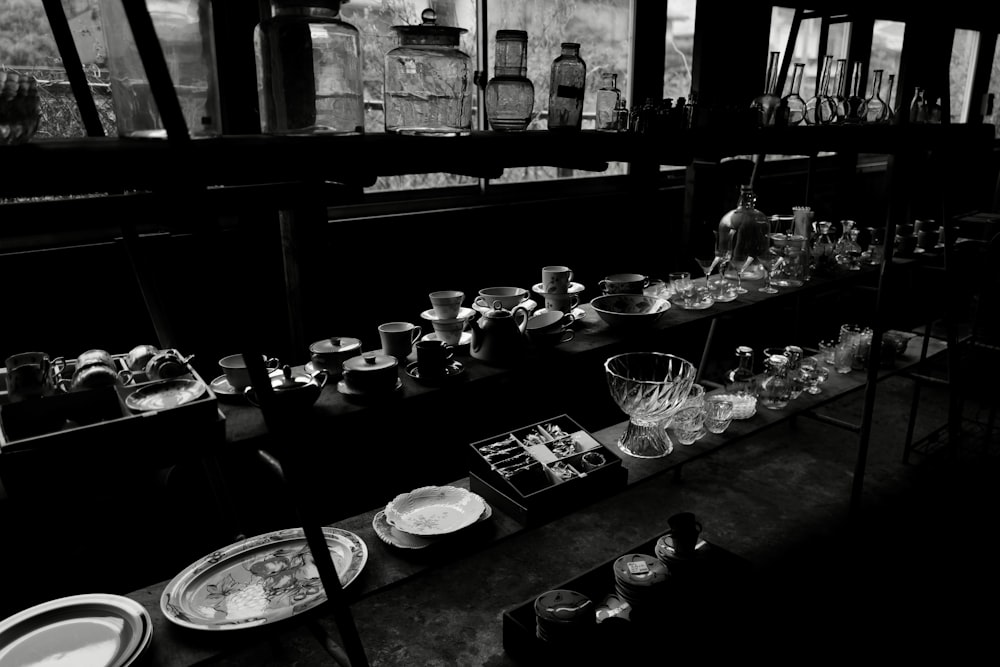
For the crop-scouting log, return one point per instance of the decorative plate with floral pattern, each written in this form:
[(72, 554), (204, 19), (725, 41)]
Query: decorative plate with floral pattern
[(260, 580), (434, 510)]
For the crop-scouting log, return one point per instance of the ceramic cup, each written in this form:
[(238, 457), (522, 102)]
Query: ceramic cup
[(564, 303), (550, 320), (31, 375), (447, 303), (624, 283), (433, 357), (556, 279), (450, 331), (684, 531), (235, 368), (509, 297), (398, 338)]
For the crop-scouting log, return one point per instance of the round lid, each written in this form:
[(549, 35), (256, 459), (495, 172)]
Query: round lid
[(371, 361), (497, 310), (334, 344), (512, 35), (743, 349), (429, 32)]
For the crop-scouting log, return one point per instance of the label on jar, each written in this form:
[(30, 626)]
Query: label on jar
[(572, 92)]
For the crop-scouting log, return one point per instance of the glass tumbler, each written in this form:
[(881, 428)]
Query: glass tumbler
[(718, 413), (843, 356)]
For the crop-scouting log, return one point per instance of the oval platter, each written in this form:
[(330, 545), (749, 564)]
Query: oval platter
[(260, 580)]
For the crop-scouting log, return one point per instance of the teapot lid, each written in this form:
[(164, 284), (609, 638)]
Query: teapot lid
[(370, 361), (335, 344), (496, 311), (429, 32)]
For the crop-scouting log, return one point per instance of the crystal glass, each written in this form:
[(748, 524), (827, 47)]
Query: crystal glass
[(794, 355), (813, 374), (566, 88), (681, 284), (843, 357), (688, 425), (649, 387), (824, 249), (309, 64), (766, 105), (768, 259), (792, 104), (875, 107), (718, 413), (510, 95), (826, 348), (707, 264), (820, 108)]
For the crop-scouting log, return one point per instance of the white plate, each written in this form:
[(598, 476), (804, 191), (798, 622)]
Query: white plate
[(397, 538), (463, 314), (261, 580), (527, 304), (574, 288), (165, 394), (96, 630), (434, 510), (463, 340)]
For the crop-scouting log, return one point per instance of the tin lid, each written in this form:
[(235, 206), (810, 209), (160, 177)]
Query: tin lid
[(370, 361), (429, 32), (335, 344)]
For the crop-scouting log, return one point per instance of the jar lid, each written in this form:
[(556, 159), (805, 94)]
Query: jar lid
[(370, 362), (515, 35), (334, 344), (429, 32)]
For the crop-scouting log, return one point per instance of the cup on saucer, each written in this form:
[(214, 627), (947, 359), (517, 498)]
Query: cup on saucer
[(447, 303)]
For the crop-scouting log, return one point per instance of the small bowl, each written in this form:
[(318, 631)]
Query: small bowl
[(630, 311), (744, 407)]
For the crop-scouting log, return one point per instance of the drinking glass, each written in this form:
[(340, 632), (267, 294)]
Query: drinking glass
[(767, 261), (740, 289), (707, 264), (688, 424), (681, 283), (826, 348), (843, 356), (808, 371), (718, 413)]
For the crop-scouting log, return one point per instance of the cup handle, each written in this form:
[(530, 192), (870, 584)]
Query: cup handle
[(568, 319), (416, 334), (56, 367), (272, 362), (480, 301), (603, 284), (125, 377), (250, 396), (322, 376), (567, 336)]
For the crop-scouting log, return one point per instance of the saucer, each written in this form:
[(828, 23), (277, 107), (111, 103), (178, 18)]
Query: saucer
[(665, 548), (578, 314), (465, 339), (347, 391), (527, 304), (706, 301), (222, 388), (452, 370), (574, 288), (463, 314)]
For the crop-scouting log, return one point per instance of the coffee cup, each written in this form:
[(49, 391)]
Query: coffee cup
[(31, 375), (564, 303), (433, 357), (556, 279), (450, 331), (398, 338), (330, 353), (237, 374), (509, 297), (371, 373), (684, 531), (624, 283), (447, 303)]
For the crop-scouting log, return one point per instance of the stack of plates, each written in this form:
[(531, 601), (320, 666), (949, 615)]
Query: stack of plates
[(428, 515), (96, 630), (563, 616), (641, 580)]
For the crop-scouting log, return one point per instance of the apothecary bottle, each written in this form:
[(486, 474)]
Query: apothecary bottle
[(566, 88), (793, 107), (309, 70), (766, 105), (875, 106), (740, 380), (743, 234), (775, 389), (510, 95), (609, 100), (428, 80)]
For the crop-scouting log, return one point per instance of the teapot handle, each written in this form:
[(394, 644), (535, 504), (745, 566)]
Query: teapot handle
[(524, 318)]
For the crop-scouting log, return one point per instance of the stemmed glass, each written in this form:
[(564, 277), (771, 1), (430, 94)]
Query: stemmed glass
[(708, 264), (740, 289), (768, 261)]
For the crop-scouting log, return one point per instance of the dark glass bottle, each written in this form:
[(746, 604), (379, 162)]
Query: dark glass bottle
[(566, 88), (854, 105)]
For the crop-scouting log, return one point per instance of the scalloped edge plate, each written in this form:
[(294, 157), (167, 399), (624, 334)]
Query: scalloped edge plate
[(397, 538), (434, 510)]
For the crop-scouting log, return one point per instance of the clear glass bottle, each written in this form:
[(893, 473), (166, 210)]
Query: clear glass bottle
[(775, 389), (608, 101), (187, 38), (840, 98), (510, 95), (767, 103), (428, 80), (566, 88), (934, 111), (875, 106), (309, 70), (792, 104), (917, 112), (820, 108), (794, 372), (890, 115), (741, 380), (743, 234), (823, 249), (854, 105)]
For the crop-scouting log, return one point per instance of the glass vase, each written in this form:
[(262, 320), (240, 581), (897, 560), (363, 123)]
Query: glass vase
[(765, 105), (566, 88), (510, 95), (792, 105), (875, 106)]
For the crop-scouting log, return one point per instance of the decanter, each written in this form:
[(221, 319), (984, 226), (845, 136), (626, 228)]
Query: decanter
[(608, 103), (765, 105), (510, 95), (854, 105), (792, 105), (848, 249), (820, 108), (775, 389), (823, 249), (740, 381), (875, 106), (794, 371), (743, 234), (566, 87)]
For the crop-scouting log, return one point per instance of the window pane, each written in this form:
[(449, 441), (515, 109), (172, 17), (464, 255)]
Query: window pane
[(679, 48), (887, 50), (963, 65), (994, 115)]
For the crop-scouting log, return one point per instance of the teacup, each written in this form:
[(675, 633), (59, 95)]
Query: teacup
[(624, 283), (509, 297), (556, 279), (684, 531), (447, 303), (398, 338), (433, 357), (450, 331), (564, 303), (31, 375), (237, 374), (550, 320), (371, 373)]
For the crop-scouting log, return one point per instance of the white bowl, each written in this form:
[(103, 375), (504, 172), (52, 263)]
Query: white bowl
[(630, 310), (434, 510)]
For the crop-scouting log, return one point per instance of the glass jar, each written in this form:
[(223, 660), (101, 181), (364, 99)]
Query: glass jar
[(741, 381), (510, 95), (609, 100), (765, 106), (186, 34), (743, 234), (566, 88), (309, 70), (775, 388), (875, 107), (428, 81), (793, 107)]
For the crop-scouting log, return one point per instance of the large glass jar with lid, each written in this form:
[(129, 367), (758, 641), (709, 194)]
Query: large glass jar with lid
[(309, 70), (743, 234), (510, 95), (566, 88), (428, 80)]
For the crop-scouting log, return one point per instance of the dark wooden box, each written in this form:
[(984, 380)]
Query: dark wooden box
[(535, 494)]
